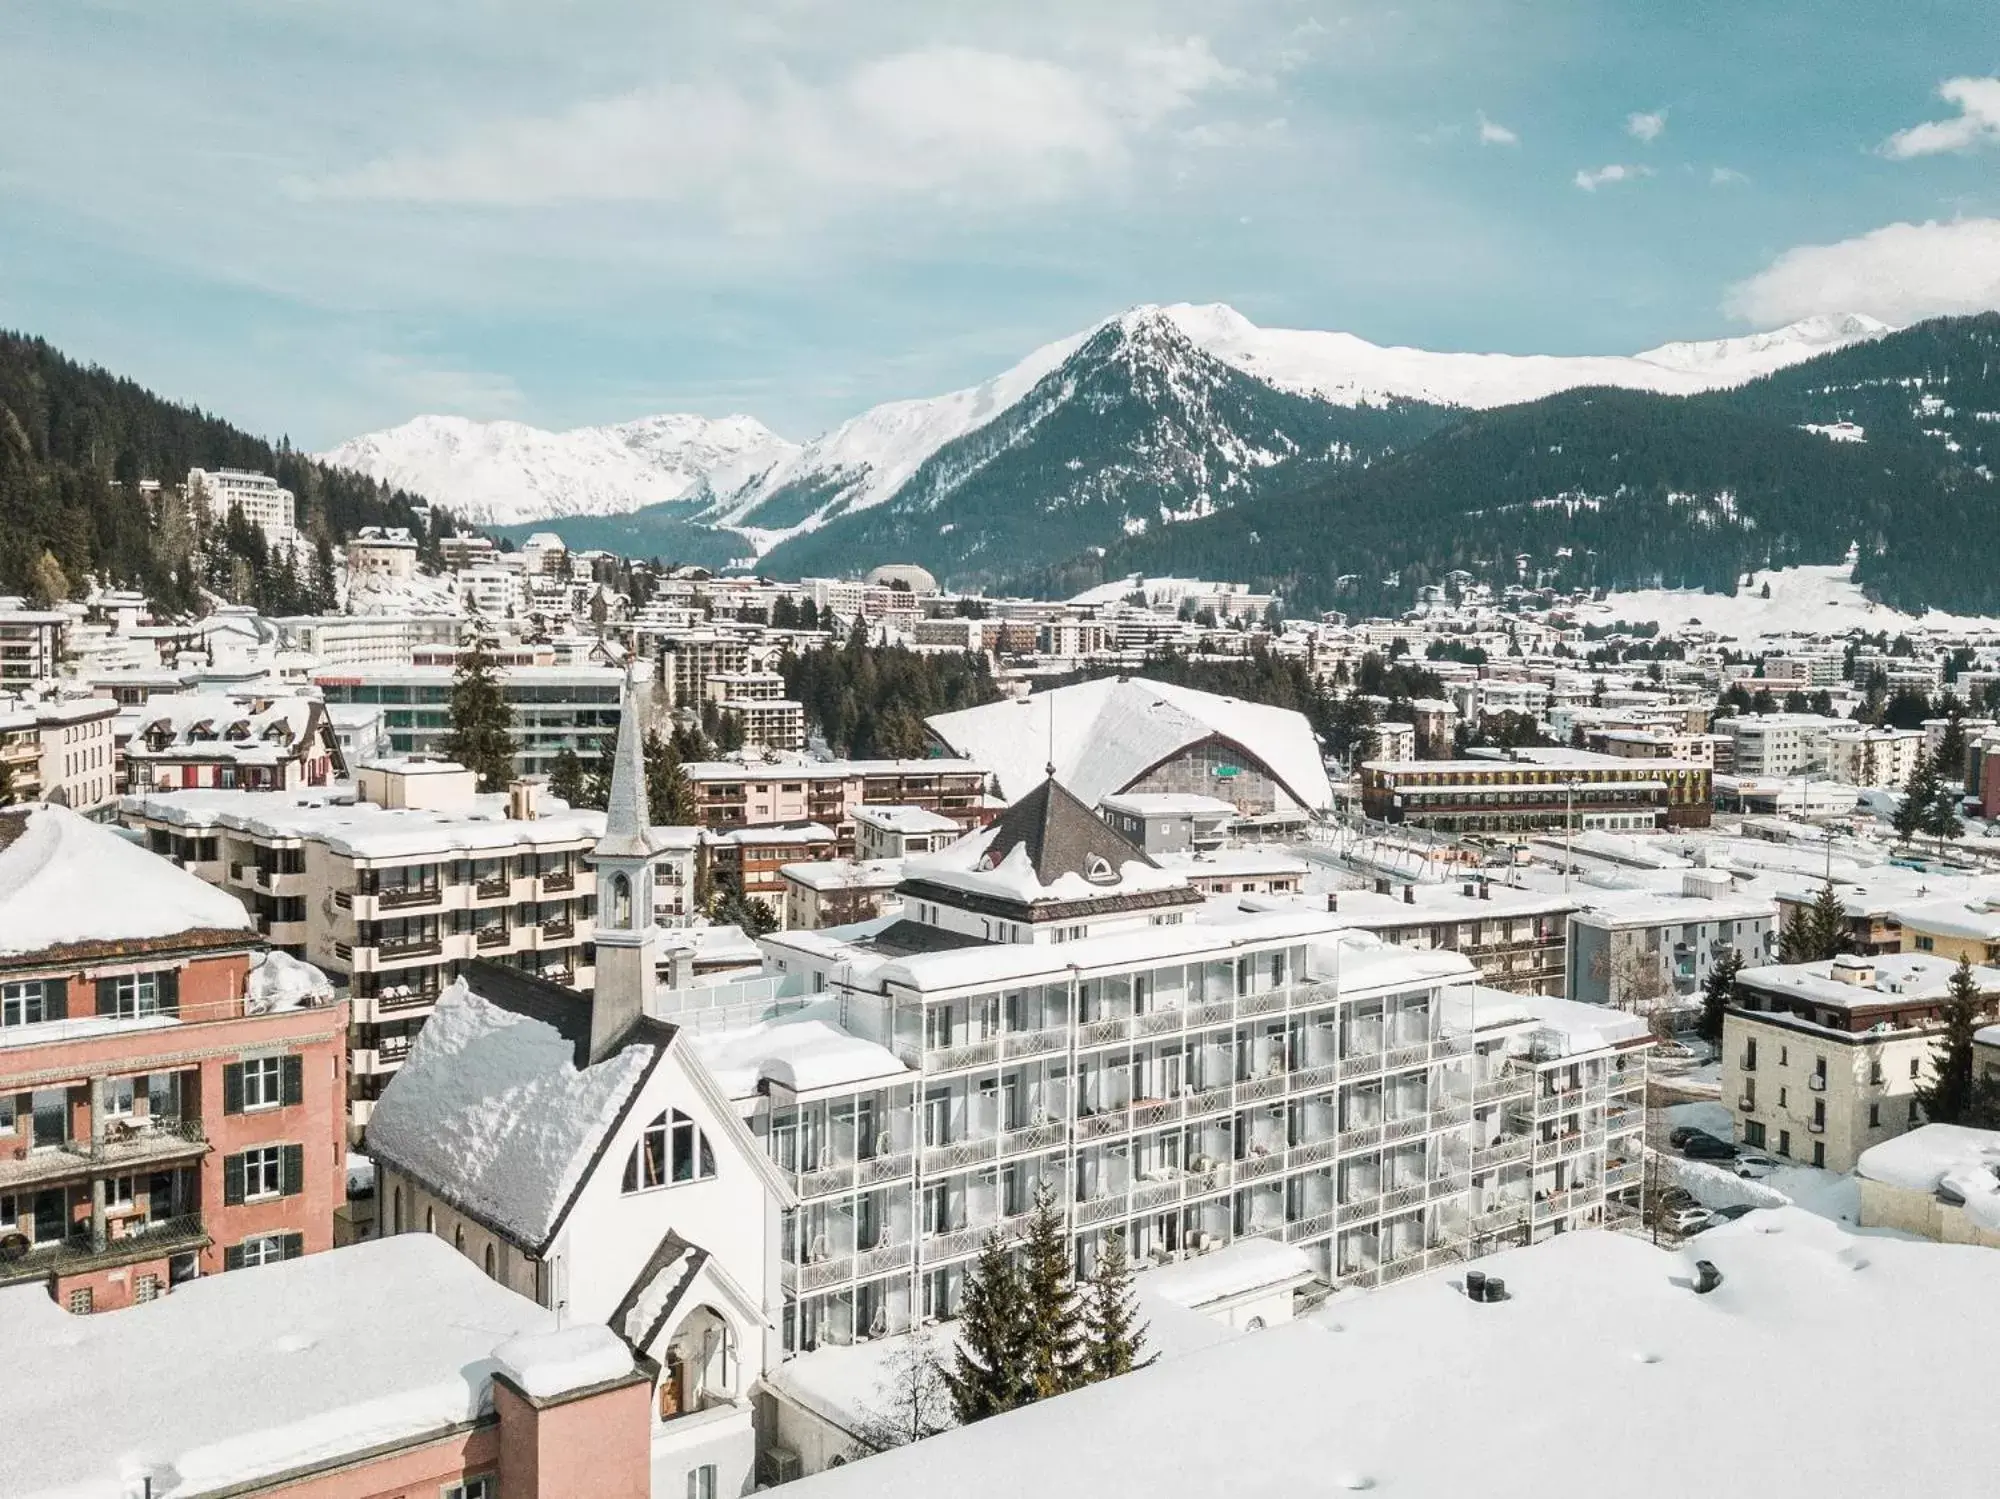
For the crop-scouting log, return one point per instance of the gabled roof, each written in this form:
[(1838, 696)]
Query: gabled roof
[(1061, 835), (492, 1112)]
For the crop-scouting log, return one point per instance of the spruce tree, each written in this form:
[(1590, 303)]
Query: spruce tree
[(1949, 761), (1114, 1338), (668, 794), (1918, 794), (1718, 993), (1795, 941), (482, 725), (1948, 1096), (985, 1374), (566, 777), (1055, 1321), (1826, 921)]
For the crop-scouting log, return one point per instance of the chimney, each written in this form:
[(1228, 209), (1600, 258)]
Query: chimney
[(1468, 891), (1381, 887), (1486, 890), (1409, 895), (524, 797), (1333, 900)]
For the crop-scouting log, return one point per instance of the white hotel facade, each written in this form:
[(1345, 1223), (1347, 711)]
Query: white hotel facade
[(1053, 1007)]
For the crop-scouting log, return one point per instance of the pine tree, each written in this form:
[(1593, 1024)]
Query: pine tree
[(668, 792), (1826, 921), (1795, 942), (1918, 794), (985, 1376), (566, 777), (1718, 993), (1949, 760), (1114, 1338), (482, 725), (1948, 1097), (1055, 1321)]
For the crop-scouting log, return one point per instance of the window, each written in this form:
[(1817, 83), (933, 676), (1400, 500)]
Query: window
[(671, 1149), (489, 1263), (485, 1486), (80, 1302), (701, 1482), (1784, 1142), (261, 1083), (136, 994), (396, 1211), (1874, 1116), (1915, 1113), (1753, 1133), (24, 1003), (1819, 1154), (260, 1173), (146, 1288), (1916, 1068), (264, 1249)]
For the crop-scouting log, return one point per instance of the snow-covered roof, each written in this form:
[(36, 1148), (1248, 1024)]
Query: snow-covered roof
[(1414, 1390), (1977, 919), (1643, 908), (1238, 863), (1962, 1161), (563, 1361), (1108, 733), (1897, 975), (67, 882), (1166, 804), (805, 1051), (491, 1111), (213, 725), (905, 820), (1239, 1269), (362, 830), (845, 874), (305, 1362), (279, 981)]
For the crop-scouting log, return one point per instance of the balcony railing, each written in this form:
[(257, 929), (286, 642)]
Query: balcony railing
[(1398, 1198), (1360, 1210), (1318, 1225), (556, 884), (1360, 1137), (883, 1168), (1549, 1151), (1152, 1113), (1406, 1128), (1507, 1085), (1104, 1032), (409, 895), (1309, 1152), (492, 889), (1256, 1089), (957, 1058), (1311, 1079), (491, 937), (1253, 1166), (1406, 1056), (410, 947), (1101, 1209), (1113, 1121), (1032, 1138), (959, 1155), (1034, 1043), (416, 999), (1499, 1152), (1628, 1175), (21, 1260)]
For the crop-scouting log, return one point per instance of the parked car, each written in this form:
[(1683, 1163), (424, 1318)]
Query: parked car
[(1701, 1146), (1729, 1214), (1755, 1163), (1680, 1134), (1685, 1220)]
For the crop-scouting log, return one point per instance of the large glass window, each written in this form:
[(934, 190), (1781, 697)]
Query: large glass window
[(670, 1150), (23, 1003)]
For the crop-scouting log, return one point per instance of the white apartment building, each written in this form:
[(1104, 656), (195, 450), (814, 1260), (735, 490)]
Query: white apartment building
[(774, 724), (1776, 744), (1821, 1060), (392, 886), (492, 591), (31, 645), (901, 832), (336, 640), (1873, 757), (263, 502), (1646, 949), (1055, 1008), (388, 552), (555, 708), (63, 751)]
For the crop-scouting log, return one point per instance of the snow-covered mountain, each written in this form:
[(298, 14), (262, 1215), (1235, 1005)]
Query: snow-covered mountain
[(751, 481), (504, 473)]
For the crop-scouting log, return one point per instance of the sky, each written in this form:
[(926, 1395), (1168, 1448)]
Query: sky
[(323, 217)]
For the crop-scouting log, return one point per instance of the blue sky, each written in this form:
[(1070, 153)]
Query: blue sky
[(319, 217)]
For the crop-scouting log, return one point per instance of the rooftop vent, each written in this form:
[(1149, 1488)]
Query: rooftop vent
[(1706, 1277), (1852, 968)]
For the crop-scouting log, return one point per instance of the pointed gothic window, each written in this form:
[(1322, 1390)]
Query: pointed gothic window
[(670, 1150), (621, 902)]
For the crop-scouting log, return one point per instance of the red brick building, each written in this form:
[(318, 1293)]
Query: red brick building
[(162, 1114)]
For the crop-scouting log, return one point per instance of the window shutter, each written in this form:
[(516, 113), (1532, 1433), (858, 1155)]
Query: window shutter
[(55, 998), (168, 986), (294, 1080), (107, 996), (232, 1257), (232, 1088), (295, 1245), (232, 1180), (291, 1169)]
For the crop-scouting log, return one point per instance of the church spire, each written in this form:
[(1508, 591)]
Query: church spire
[(628, 823)]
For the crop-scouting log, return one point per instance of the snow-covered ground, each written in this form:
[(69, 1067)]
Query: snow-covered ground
[(1804, 600)]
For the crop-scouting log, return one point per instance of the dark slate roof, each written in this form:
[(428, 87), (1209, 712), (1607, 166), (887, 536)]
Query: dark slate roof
[(902, 938), (564, 1010), (1061, 836), (674, 1257)]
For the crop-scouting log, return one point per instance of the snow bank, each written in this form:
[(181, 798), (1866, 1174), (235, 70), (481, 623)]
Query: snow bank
[(1964, 1162), (491, 1110), (1239, 1269), (1716, 1186), (66, 880), (803, 1052), (547, 1364), (1804, 601)]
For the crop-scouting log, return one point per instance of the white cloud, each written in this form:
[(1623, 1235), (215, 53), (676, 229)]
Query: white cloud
[(1492, 134), (1646, 126), (937, 121), (1727, 177), (419, 386), (1901, 273), (1590, 179), (1976, 124)]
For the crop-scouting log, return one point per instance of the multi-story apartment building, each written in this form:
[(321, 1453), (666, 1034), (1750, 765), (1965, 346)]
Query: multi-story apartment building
[(1646, 950), (1538, 789), (230, 744), (162, 1114), (728, 795), (1774, 744), (1517, 939), (555, 708), (392, 889), (753, 860), (1822, 1060), (385, 552), (902, 832), (1056, 1010), (31, 645), (264, 502), (688, 659), (334, 640), (1953, 928), (775, 724), (61, 750), (837, 892), (1859, 756)]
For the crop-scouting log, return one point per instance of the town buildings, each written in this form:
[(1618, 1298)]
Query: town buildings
[(729, 796), (571, 708), (1773, 744), (163, 1113), (31, 645), (1532, 790), (259, 743), (1648, 949), (1873, 757), (1821, 1061), (1937, 1181), (61, 750), (261, 499), (390, 889)]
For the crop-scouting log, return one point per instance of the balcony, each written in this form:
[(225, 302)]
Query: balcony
[(1360, 1210), (1256, 1089), (1267, 1003), (1406, 1128), (1629, 1174), (1211, 1101), (1499, 1152), (958, 1155), (1360, 1137), (1397, 1199), (1817, 1082), (1253, 1165), (499, 887), (409, 947), (1157, 1022), (1311, 1079), (1309, 1153), (1100, 1209), (490, 937), (408, 895), (1151, 1113), (1215, 1012), (1507, 1085), (391, 1002), (885, 1168), (1406, 1056), (1104, 1032), (1015, 1044), (129, 1141), (84, 1250), (1500, 1218), (938, 1059), (1114, 1121), (1816, 1126), (1315, 1227), (1549, 1151), (558, 931), (557, 884), (1032, 1139)]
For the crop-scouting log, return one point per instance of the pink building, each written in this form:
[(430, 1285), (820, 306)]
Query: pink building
[(388, 1368), (165, 1111)]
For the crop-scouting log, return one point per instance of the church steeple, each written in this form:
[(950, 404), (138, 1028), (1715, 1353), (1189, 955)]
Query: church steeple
[(627, 944)]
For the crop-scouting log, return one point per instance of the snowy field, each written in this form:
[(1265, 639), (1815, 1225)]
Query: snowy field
[(1804, 600)]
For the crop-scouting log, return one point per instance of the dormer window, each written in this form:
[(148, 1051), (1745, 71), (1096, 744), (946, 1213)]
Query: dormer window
[(1097, 869)]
